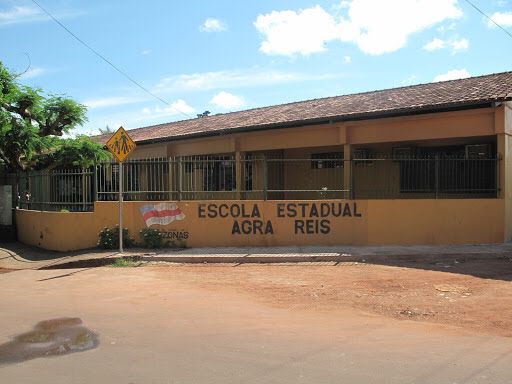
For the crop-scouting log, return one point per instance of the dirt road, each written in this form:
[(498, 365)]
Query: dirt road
[(474, 295), (259, 324)]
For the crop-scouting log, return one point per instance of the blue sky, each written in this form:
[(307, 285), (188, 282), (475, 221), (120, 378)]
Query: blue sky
[(225, 55)]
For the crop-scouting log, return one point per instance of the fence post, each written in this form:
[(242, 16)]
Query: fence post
[(17, 179), (351, 185), (238, 174), (347, 171), (497, 165), (437, 175), (83, 190), (180, 177), (265, 177), (94, 181), (28, 189), (170, 176)]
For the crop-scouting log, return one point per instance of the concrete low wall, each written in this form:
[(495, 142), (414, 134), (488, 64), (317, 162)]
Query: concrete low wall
[(60, 231), (277, 223)]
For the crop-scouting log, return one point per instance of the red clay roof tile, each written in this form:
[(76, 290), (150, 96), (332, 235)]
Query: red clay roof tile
[(410, 99)]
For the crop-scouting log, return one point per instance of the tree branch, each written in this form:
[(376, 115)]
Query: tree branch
[(21, 110)]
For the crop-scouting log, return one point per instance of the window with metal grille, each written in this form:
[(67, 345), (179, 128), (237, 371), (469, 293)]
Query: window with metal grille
[(447, 170), (219, 175), (327, 160)]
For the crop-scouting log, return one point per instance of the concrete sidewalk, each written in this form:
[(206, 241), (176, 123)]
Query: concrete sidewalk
[(19, 256)]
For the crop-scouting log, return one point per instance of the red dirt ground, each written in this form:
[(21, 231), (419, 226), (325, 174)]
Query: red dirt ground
[(475, 295)]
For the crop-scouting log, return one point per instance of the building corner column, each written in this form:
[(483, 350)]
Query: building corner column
[(504, 153), (503, 131)]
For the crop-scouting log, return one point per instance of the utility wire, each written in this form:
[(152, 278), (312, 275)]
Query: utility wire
[(489, 18), (106, 60)]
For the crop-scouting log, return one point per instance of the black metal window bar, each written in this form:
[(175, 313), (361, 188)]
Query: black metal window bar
[(428, 176), (56, 190)]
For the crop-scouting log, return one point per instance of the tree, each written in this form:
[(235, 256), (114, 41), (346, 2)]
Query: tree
[(31, 123), (78, 152), (204, 114), (107, 129)]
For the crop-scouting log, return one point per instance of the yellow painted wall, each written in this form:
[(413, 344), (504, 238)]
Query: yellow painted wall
[(382, 222), (61, 231), (148, 151), (469, 123), (470, 221)]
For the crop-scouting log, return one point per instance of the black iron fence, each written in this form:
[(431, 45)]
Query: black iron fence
[(260, 177), (428, 177), (56, 190)]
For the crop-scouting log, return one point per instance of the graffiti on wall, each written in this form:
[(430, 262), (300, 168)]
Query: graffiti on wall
[(162, 213)]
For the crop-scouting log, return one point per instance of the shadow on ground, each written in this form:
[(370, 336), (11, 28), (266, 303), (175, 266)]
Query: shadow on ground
[(28, 253), (490, 267), (483, 261)]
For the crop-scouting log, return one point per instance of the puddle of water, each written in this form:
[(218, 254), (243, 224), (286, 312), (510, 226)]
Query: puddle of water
[(55, 337)]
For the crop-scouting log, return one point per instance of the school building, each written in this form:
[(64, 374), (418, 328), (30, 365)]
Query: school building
[(423, 164)]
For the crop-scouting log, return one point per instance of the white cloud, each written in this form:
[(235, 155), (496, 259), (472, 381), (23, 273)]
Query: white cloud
[(195, 82), (227, 100), (384, 26), (290, 32), (232, 79), (409, 80), (179, 107), (447, 28), (25, 14), (456, 45), (454, 74), (502, 18), (347, 59), (435, 44), (111, 101), (33, 72), (20, 14), (459, 45), (145, 52), (138, 117), (213, 25), (376, 27)]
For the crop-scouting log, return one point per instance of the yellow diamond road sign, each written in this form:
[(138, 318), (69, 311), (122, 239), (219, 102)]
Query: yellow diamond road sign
[(120, 144)]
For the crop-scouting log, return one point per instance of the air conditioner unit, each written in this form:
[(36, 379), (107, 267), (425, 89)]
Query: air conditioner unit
[(478, 151)]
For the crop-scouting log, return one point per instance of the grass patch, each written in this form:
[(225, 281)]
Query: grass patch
[(122, 262)]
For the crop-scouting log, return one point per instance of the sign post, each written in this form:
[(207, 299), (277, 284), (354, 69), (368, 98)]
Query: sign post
[(120, 145), (120, 207)]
